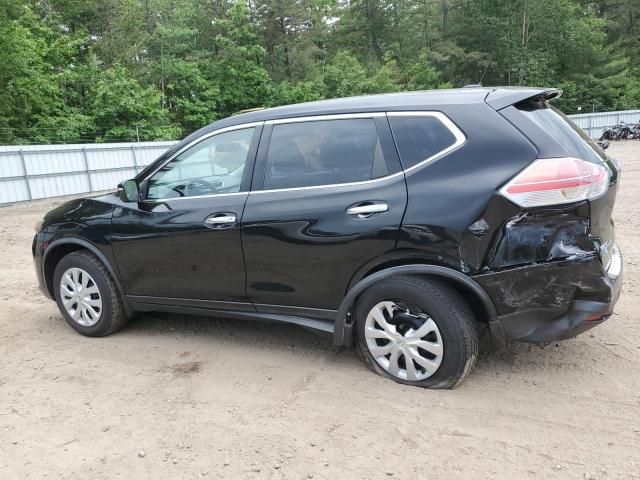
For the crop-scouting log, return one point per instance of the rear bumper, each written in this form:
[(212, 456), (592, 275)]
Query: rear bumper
[(554, 301)]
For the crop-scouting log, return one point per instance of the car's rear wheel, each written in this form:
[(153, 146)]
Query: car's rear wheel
[(417, 331), (87, 295)]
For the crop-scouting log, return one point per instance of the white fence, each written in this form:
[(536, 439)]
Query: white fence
[(42, 171)]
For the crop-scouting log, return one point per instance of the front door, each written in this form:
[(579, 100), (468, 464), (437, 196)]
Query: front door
[(182, 241), (328, 197)]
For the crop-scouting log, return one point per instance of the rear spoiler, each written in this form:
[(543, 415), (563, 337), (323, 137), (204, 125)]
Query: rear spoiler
[(504, 97)]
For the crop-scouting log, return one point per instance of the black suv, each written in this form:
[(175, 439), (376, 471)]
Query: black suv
[(405, 223)]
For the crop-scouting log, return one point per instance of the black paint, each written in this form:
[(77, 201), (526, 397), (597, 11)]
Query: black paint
[(295, 254)]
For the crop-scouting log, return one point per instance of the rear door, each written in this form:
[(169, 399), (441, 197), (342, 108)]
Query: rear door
[(328, 196)]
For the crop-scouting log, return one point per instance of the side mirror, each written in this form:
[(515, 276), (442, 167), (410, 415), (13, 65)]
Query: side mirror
[(128, 191)]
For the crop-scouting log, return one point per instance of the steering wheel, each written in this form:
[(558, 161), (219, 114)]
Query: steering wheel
[(199, 187)]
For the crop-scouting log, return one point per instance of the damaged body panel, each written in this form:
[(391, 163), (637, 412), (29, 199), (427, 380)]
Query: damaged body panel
[(553, 271), (552, 300), (548, 274), (544, 268), (544, 235), (438, 226), (547, 268)]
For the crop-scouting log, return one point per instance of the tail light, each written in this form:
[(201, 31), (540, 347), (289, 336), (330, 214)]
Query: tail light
[(553, 181)]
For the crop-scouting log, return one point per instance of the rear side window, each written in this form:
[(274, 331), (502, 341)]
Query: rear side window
[(566, 133), (419, 138), (323, 152)]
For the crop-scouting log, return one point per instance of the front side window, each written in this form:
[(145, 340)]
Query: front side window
[(323, 152), (212, 166), (419, 138)]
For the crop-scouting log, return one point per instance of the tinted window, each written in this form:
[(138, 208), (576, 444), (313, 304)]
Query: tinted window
[(566, 133), (322, 153), (214, 165), (419, 138)]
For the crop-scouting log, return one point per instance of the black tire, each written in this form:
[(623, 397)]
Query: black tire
[(445, 306), (112, 316)]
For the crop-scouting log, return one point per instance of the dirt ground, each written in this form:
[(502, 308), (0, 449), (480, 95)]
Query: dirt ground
[(172, 397)]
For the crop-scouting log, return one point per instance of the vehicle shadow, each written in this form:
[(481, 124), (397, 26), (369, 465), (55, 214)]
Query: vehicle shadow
[(269, 335), (229, 330), (256, 335)]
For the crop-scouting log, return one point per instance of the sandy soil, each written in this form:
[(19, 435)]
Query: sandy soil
[(182, 397)]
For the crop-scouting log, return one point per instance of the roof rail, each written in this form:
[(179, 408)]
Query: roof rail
[(249, 110)]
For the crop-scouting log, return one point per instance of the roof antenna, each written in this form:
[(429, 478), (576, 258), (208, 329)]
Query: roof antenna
[(479, 84), (486, 68)]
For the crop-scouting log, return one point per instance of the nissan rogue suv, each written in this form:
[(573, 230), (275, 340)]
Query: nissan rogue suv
[(406, 224)]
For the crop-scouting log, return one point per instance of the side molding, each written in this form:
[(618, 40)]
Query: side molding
[(92, 248), (343, 331)]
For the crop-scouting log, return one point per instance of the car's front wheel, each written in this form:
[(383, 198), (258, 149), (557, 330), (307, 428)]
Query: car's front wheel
[(417, 331), (87, 295)]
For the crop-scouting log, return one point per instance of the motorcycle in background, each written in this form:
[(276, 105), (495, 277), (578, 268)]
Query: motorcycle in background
[(622, 131)]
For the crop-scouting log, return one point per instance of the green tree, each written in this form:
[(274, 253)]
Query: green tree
[(97, 69), (345, 76), (422, 75), (28, 89), (238, 64), (121, 104)]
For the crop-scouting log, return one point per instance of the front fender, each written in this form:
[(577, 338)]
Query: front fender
[(82, 243)]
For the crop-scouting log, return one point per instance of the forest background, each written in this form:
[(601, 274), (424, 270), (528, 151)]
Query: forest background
[(121, 70)]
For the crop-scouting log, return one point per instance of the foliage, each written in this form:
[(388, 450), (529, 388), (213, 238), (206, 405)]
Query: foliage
[(112, 70), (120, 104)]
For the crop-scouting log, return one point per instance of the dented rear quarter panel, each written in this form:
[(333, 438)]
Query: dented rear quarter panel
[(448, 195), (536, 260), (540, 261)]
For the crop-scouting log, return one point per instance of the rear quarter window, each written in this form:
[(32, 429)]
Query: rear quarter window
[(575, 142), (420, 138)]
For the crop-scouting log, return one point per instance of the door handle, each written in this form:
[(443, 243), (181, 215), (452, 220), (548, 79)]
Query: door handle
[(366, 209), (221, 220)]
